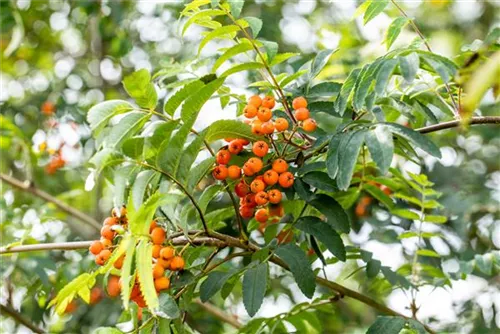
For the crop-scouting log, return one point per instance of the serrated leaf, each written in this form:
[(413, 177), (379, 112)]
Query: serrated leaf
[(347, 159), (394, 30), (126, 272), (254, 288), (381, 147), (192, 106), (128, 126), (271, 49), (100, 114), (168, 308), (365, 79), (335, 214), (281, 57), (387, 325), (379, 195), (383, 75), (345, 91), (138, 85), (373, 268), (69, 291), (292, 77), (133, 147), (255, 24), (142, 180), (332, 156), (435, 219), (198, 172), (320, 180), (374, 8), (242, 67), (204, 14), (404, 213), (222, 32), (182, 94), (409, 66), (415, 138), (171, 151), (324, 89), (319, 62), (427, 252), (300, 267), (188, 157), (143, 258), (107, 330), (214, 282), (236, 6), (139, 221), (231, 52), (324, 233), (230, 129)]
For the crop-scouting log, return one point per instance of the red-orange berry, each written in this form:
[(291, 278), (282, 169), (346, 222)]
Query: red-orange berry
[(246, 211), (276, 210), (271, 177), (241, 189), (280, 166), (114, 287), (299, 102), (234, 172), (48, 108), (158, 270), (119, 262), (261, 198), (167, 253), (96, 247), (177, 263), (249, 200), (255, 164), (267, 128), (235, 147), (158, 235), (268, 102), (309, 125), (280, 124), (260, 148), (257, 186), (286, 180), (264, 114), (261, 215), (250, 111), (106, 242), (110, 221), (301, 114), (162, 283), (152, 225), (156, 251), (107, 232), (223, 157), (255, 100), (220, 172), (274, 196)]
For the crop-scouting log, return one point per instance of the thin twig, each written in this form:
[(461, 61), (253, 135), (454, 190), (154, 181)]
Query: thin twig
[(27, 187), (219, 314), (453, 124), (7, 310)]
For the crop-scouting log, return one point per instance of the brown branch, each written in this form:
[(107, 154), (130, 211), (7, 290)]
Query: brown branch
[(219, 314), (19, 318), (452, 124), (25, 186)]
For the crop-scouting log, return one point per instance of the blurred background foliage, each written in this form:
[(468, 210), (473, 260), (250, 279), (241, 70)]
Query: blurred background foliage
[(58, 58)]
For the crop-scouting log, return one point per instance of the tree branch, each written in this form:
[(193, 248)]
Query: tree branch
[(25, 186), (452, 124), (7, 310), (219, 314)]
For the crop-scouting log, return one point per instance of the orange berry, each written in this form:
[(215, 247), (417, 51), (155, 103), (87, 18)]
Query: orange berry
[(267, 128), (264, 114), (119, 262), (257, 127), (260, 148), (299, 102), (257, 186), (280, 124), (255, 164), (247, 169), (250, 111), (167, 253), (235, 147), (234, 172), (280, 166), (223, 157), (255, 100), (139, 300), (261, 198), (271, 177), (261, 215), (107, 232), (139, 314), (301, 114), (276, 210), (284, 237), (110, 221), (164, 263), (386, 190), (158, 235), (309, 125), (156, 251), (249, 200), (220, 172), (286, 180), (158, 270), (246, 211), (244, 142), (105, 254), (71, 307), (152, 226), (95, 295), (268, 102), (96, 247), (274, 196), (106, 242), (48, 108), (162, 283), (177, 263), (241, 189), (136, 291)]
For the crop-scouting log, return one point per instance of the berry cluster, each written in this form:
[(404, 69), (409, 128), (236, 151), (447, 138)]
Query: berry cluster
[(265, 174), (163, 256)]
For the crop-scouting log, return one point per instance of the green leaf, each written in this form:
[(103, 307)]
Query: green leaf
[(133, 147), (126, 272), (100, 114), (142, 180), (192, 106), (300, 267), (324, 89), (242, 67), (427, 252), (345, 91), (168, 308), (374, 8), (372, 268), (365, 79), (403, 213), (335, 214), (415, 138), (143, 258), (139, 221), (394, 30), (442, 65), (383, 75), (107, 330), (255, 24), (160, 134), (271, 49), (138, 85), (320, 180), (231, 52), (292, 77), (381, 147), (182, 94), (254, 288), (198, 172), (230, 129), (378, 194), (214, 282), (347, 159), (319, 62), (409, 66), (222, 32), (171, 151), (128, 126), (281, 57), (236, 6), (188, 157), (332, 156), (387, 325), (324, 233), (435, 219), (204, 14)]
